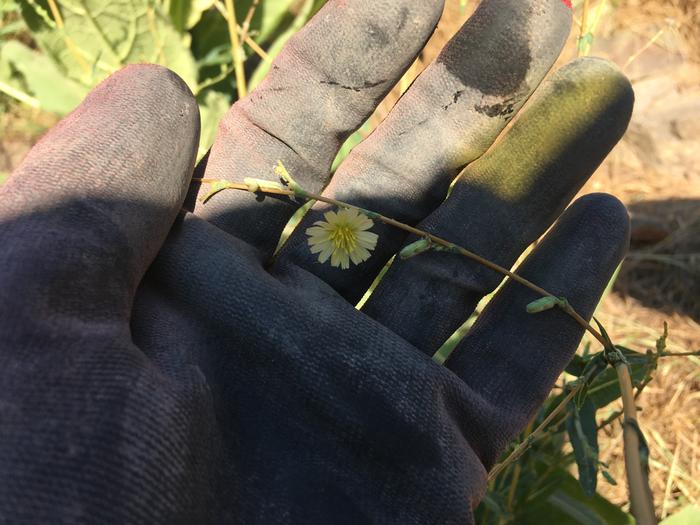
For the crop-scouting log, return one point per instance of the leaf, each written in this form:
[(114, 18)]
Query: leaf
[(210, 33), (214, 188), (8, 6), (595, 365), (42, 79), (101, 36), (179, 11), (199, 7), (36, 15), (570, 505), (185, 14), (307, 10), (608, 477), (212, 107), (690, 515), (608, 342), (350, 144), (576, 366), (581, 427), (605, 388)]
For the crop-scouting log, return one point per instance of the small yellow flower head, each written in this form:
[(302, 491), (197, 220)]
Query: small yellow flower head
[(342, 237)]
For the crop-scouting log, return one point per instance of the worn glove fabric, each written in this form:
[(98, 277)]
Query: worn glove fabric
[(157, 366)]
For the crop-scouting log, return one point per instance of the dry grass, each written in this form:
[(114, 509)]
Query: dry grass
[(654, 172)]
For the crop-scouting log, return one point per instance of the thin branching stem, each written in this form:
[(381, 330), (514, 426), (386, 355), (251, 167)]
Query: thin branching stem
[(245, 27), (638, 483), (236, 49), (434, 239), (696, 353), (525, 445), (642, 502)]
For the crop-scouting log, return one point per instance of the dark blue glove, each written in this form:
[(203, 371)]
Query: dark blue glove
[(165, 369)]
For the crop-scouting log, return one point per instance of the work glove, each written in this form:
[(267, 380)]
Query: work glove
[(167, 366)]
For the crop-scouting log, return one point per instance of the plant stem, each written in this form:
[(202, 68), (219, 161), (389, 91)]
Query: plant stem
[(680, 354), (642, 501), (19, 95), (248, 19), (255, 47), (236, 49), (522, 448), (420, 233), (638, 482)]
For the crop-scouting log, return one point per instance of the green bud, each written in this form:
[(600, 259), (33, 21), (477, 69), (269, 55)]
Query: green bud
[(415, 248), (542, 304)]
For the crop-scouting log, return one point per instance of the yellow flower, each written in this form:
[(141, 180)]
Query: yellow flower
[(343, 237)]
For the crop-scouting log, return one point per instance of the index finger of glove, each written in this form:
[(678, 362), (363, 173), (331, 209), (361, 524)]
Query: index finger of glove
[(85, 213)]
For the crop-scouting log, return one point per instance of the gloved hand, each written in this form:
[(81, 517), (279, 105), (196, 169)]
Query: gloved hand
[(165, 369)]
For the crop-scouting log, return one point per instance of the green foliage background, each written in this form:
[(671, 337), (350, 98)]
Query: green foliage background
[(51, 65)]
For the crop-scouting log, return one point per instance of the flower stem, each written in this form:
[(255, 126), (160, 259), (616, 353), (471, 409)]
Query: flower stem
[(522, 448), (433, 239), (236, 48), (642, 502)]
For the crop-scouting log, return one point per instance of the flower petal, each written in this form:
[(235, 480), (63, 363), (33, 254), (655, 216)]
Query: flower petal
[(331, 217), (359, 255), (317, 232), (320, 246), (367, 240), (366, 224)]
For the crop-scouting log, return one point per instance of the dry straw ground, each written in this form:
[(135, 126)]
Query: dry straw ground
[(655, 170)]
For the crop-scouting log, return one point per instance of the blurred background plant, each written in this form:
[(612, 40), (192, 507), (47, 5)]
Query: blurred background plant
[(52, 52)]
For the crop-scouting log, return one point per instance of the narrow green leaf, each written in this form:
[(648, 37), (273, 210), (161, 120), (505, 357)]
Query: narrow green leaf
[(608, 477), (212, 107), (595, 365), (569, 505), (214, 188), (581, 427), (353, 140)]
